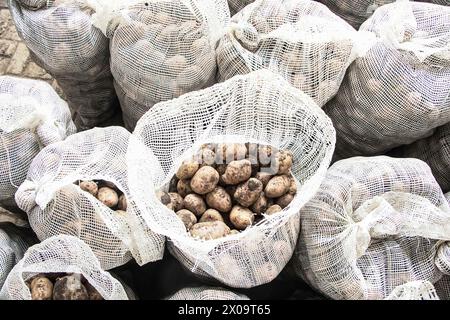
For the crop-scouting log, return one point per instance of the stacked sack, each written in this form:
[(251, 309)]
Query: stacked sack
[(398, 91), (56, 257), (32, 116), (206, 293), (375, 224), (161, 49), (60, 197), (260, 107), (301, 40), (12, 248), (63, 41), (435, 151)]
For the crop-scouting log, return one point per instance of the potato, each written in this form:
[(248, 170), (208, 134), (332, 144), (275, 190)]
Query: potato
[(187, 169), (265, 155), (206, 157), (188, 218), (41, 288), (92, 292), (264, 177), (210, 230), (273, 209), (228, 152), (164, 198), (173, 184), (261, 204), (283, 160), (195, 204), (89, 186), (285, 200), (237, 172), (219, 199), (277, 186), (70, 288), (241, 217), (205, 180), (108, 196), (211, 215), (292, 186), (184, 187), (248, 192), (176, 200), (122, 205)]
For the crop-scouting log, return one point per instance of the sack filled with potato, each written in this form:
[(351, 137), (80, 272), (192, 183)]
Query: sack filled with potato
[(258, 108), (435, 151), (206, 293), (376, 223), (80, 188), (12, 248), (61, 268), (301, 40), (63, 41), (398, 91), (32, 116), (161, 49)]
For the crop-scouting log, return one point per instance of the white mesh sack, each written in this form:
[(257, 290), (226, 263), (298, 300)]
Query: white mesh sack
[(375, 224), (161, 49), (56, 205), (63, 41), (12, 248), (258, 108), (398, 91), (32, 116), (415, 290), (60, 254), (206, 293), (435, 151), (237, 5), (302, 40)]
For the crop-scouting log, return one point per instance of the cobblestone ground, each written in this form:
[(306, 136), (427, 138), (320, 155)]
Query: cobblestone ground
[(14, 55)]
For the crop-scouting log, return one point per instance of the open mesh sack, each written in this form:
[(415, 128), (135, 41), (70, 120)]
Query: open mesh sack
[(32, 116), (206, 293), (12, 248), (415, 290), (301, 40), (398, 91), (60, 254), (63, 41), (55, 205), (161, 49), (237, 5), (376, 223), (435, 151), (258, 108)]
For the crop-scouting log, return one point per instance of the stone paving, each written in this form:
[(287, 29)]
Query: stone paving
[(14, 56)]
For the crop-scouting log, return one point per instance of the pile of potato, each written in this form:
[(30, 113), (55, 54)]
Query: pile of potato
[(302, 40), (107, 193), (55, 286), (228, 187), (161, 51)]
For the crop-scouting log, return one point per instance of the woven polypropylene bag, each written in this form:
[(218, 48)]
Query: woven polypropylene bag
[(63, 41), (61, 254), (435, 151), (301, 40), (32, 116), (12, 248), (55, 205), (238, 5), (161, 49), (206, 293), (376, 223), (415, 290), (258, 108), (398, 91)]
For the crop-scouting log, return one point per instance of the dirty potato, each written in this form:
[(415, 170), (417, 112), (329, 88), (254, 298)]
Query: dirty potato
[(108, 196), (176, 200), (241, 217), (195, 204), (261, 204), (204, 180), (273, 209), (122, 205), (188, 218), (277, 186), (237, 172), (264, 177), (41, 288), (187, 169), (69, 288), (211, 215), (248, 192), (219, 199), (283, 161), (285, 200), (184, 188), (89, 186), (210, 230)]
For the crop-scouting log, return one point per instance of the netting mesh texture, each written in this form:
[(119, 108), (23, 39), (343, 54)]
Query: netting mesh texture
[(12, 248), (55, 205), (258, 108), (60, 254), (63, 41), (398, 91), (415, 290), (301, 40), (161, 49), (31, 116), (376, 223), (237, 5), (206, 293)]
